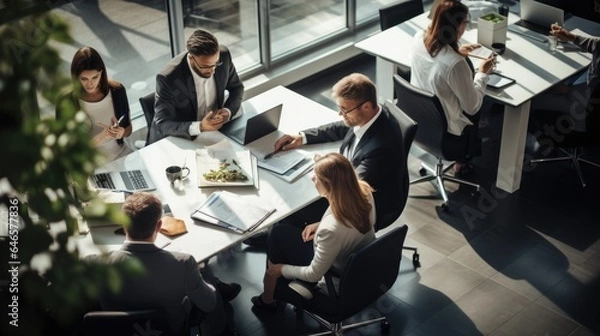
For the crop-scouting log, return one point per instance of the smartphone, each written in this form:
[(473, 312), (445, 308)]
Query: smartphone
[(167, 210)]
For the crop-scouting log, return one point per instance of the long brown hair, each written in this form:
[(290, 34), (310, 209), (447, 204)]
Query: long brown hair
[(443, 31), (87, 58), (348, 195)]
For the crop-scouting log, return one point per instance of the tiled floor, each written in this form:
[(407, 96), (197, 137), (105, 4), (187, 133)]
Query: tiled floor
[(526, 263)]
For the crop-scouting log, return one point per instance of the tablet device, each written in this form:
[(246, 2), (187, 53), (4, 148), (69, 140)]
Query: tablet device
[(497, 81)]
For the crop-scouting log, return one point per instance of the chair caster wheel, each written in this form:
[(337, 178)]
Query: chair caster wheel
[(422, 171), (385, 327), (445, 207), (475, 193), (415, 260)]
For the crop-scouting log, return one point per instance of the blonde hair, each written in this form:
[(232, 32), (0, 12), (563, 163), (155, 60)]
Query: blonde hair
[(348, 195)]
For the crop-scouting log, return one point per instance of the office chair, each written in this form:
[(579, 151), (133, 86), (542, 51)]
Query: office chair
[(572, 143), (396, 13), (368, 275), (147, 103), (433, 137), (136, 322), (409, 129)]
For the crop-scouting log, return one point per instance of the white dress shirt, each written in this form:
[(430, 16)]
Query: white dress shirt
[(206, 95), (448, 76)]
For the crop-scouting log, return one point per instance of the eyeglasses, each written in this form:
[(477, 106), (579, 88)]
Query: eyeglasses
[(206, 67), (344, 112)]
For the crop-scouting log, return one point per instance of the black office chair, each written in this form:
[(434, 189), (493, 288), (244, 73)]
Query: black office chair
[(409, 129), (571, 143), (147, 103), (396, 13), (368, 275), (433, 137), (136, 322)]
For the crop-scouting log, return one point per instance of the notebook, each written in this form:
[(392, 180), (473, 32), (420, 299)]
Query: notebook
[(252, 125), (126, 180), (538, 17), (229, 211)]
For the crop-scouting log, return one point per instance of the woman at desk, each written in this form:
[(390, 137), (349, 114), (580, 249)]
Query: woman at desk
[(347, 225), (103, 100), (439, 65)]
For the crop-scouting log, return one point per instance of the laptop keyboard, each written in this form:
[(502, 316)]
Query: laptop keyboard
[(239, 134), (104, 181), (134, 180)]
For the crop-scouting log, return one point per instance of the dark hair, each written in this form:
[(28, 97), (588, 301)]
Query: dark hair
[(347, 194), (87, 58), (443, 31), (202, 42), (144, 211), (356, 87)]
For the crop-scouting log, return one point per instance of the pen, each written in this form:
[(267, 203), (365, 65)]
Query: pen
[(166, 244), (477, 56), (270, 155), (119, 121)]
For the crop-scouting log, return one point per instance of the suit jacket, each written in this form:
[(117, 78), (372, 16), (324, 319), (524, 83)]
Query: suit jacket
[(176, 103), (378, 159), (169, 277)]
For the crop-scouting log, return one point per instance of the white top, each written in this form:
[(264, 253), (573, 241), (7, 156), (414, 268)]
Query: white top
[(448, 76), (333, 244), (102, 112)]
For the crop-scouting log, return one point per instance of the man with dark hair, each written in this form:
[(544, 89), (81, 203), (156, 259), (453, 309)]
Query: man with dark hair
[(190, 90), (168, 276)]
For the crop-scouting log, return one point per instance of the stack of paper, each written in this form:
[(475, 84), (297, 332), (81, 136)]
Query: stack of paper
[(230, 211), (287, 165)]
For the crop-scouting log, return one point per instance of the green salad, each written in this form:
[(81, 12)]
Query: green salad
[(495, 18), (226, 173)]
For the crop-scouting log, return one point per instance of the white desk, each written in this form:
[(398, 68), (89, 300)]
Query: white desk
[(525, 60), (201, 241)]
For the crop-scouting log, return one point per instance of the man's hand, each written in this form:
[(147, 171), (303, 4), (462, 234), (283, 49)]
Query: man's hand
[(288, 142), (561, 33), (214, 120)]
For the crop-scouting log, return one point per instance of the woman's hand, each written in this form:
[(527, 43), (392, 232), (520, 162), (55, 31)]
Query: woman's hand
[(487, 65), (274, 270), (309, 232), (466, 49)]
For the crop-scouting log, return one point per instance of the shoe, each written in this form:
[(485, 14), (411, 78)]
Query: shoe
[(258, 303), (258, 240), (465, 169), (229, 291)]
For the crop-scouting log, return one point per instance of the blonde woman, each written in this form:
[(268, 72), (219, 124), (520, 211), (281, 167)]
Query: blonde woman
[(347, 225)]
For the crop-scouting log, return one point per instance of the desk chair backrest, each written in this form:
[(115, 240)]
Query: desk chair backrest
[(409, 129), (370, 272), (398, 12), (147, 103), (425, 109)]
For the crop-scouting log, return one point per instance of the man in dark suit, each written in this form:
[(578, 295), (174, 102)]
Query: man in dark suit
[(168, 276), (190, 90), (372, 141)]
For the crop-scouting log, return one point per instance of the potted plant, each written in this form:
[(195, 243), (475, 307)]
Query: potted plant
[(42, 179)]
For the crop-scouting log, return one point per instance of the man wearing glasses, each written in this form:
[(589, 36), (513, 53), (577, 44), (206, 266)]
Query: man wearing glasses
[(190, 90), (372, 141)]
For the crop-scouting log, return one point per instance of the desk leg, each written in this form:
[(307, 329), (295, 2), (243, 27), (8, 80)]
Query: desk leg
[(384, 72), (512, 147)]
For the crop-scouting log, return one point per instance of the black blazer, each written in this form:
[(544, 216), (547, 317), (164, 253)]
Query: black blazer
[(176, 104), (168, 278), (378, 159)]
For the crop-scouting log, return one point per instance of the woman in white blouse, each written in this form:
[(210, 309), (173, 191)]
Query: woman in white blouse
[(439, 65), (103, 100), (347, 225)]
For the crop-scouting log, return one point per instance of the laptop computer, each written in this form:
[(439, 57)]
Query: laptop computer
[(125, 180), (252, 126), (538, 17)]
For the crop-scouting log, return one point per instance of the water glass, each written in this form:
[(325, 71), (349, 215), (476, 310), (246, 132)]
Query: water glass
[(552, 43)]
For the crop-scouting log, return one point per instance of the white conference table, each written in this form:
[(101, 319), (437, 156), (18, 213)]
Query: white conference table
[(527, 61), (203, 241)]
